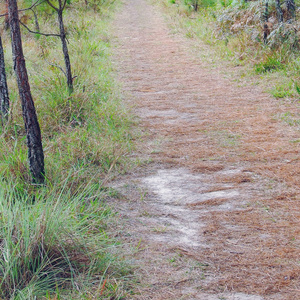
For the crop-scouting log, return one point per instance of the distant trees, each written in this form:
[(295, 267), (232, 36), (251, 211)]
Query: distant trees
[(283, 15), (59, 10), (291, 8), (62, 35), (279, 11)]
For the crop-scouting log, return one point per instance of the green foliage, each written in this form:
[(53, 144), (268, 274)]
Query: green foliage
[(297, 87), (226, 3), (89, 130), (193, 4), (236, 30), (207, 3), (53, 238), (270, 63), (50, 240)]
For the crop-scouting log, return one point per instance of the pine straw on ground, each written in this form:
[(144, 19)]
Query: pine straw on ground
[(259, 254), (207, 123)]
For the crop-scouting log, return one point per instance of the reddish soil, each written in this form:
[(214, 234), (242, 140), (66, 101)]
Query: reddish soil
[(214, 213)]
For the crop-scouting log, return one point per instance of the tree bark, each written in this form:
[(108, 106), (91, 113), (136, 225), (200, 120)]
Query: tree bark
[(291, 8), (4, 96), (65, 47), (62, 34), (279, 11), (266, 18), (33, 133), (36, 21)]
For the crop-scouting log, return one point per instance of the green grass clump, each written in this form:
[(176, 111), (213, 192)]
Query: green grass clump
[(283, 90), (53, 242)]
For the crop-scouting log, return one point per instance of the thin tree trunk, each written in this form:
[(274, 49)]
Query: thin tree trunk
[(65, 49), (279, 11), (266, 12), (62, 34), (291, 8), (36, 21), (266, 18), (4, 96), (33, 133)]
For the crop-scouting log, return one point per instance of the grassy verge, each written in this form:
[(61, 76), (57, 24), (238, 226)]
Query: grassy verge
[(54, 241), (57, 247), (235, 33)]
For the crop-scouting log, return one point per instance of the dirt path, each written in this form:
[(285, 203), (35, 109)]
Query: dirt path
[(215, 214)]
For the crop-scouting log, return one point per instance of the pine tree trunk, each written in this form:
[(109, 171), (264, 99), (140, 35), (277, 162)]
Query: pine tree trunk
[(65, 50), (279, 11), (4, 97), (33, 133), (291, 8), (266, 18)]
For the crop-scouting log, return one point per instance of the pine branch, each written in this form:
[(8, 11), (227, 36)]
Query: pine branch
[(54, 7), (37, 32)]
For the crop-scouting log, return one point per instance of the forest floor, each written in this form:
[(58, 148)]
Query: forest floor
[(214, 211)]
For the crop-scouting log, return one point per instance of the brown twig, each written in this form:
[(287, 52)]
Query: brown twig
[(37, 32)]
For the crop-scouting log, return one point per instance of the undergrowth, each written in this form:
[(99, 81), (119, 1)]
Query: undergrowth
[(236, 31), (54, 241), (86, 133)]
